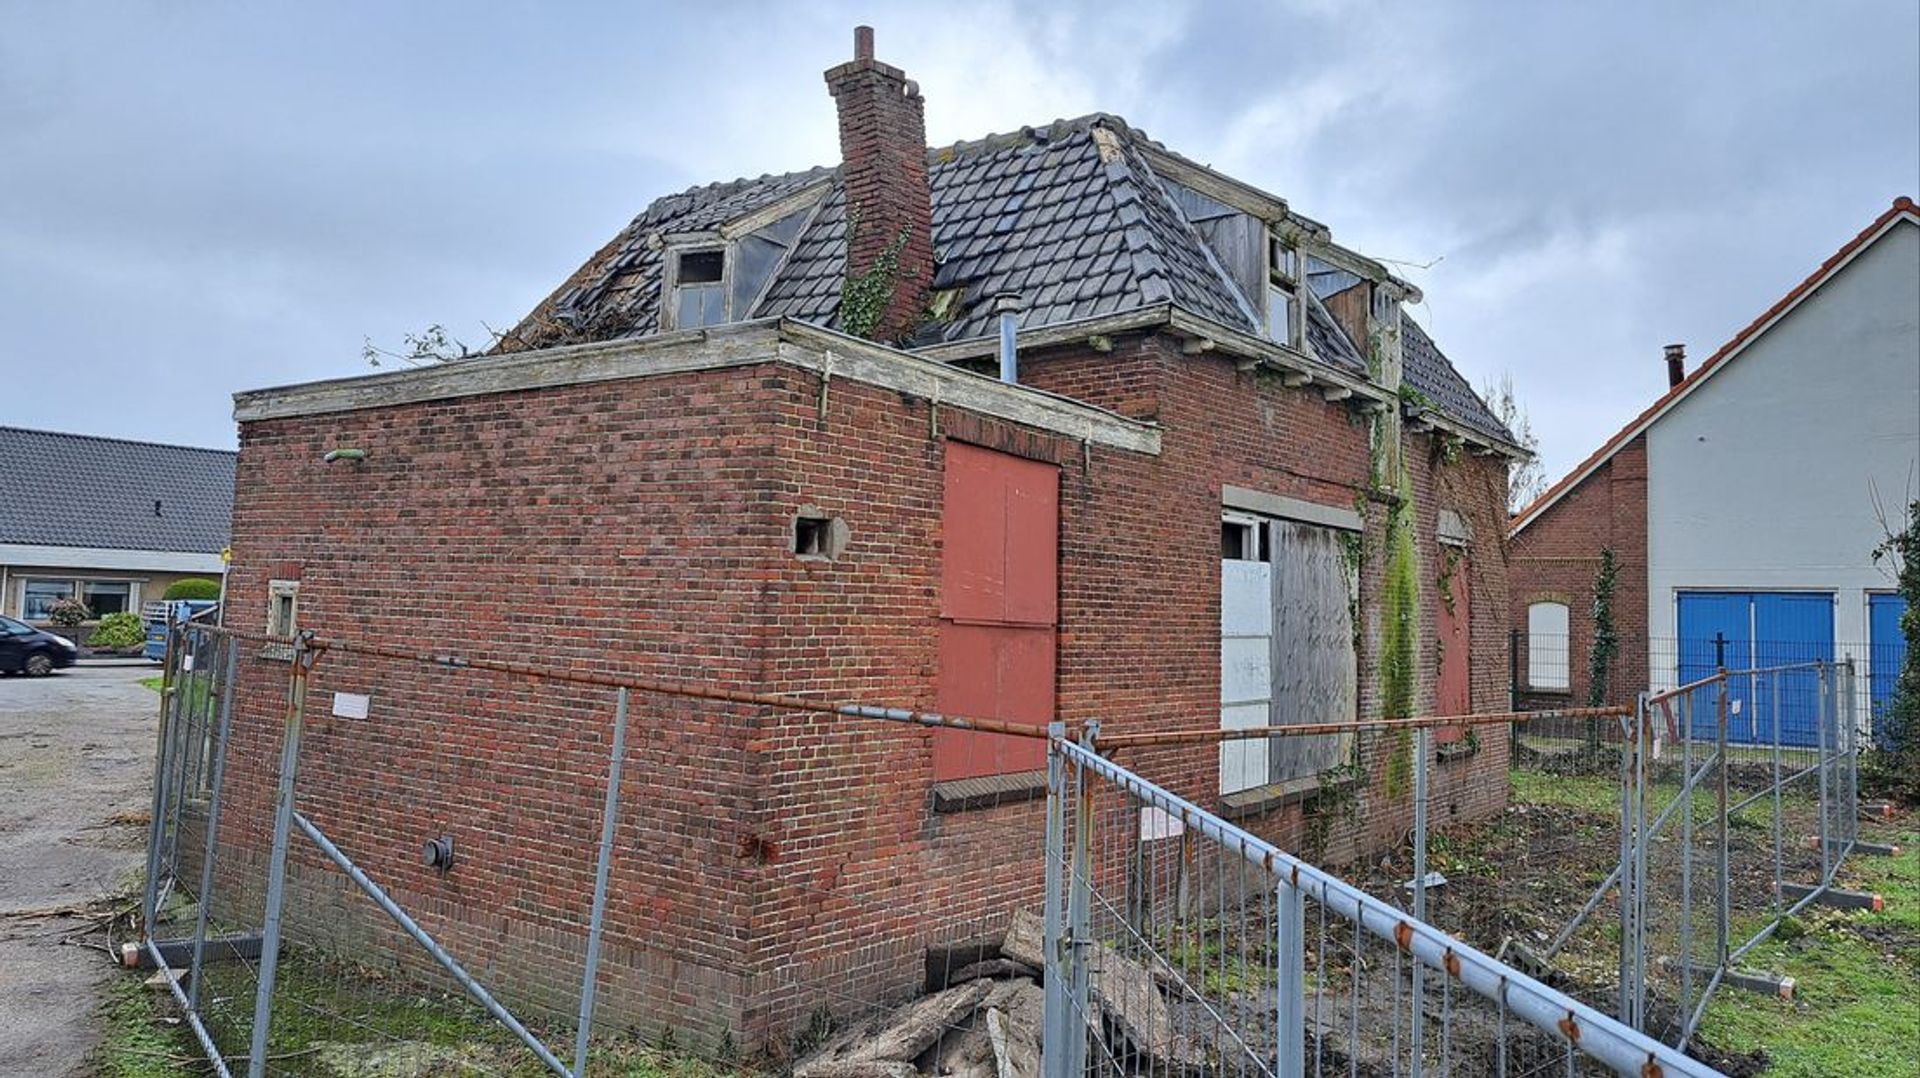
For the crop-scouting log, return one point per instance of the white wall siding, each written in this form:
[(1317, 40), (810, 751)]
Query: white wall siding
[(1763, 479)]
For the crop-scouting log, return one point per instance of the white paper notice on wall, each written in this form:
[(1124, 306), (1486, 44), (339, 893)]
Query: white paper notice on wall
[(1158, 823), (350, 705), (186, 661), (1736, 706)]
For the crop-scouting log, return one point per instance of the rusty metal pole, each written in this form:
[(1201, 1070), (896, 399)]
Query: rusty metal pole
[(303, 657)]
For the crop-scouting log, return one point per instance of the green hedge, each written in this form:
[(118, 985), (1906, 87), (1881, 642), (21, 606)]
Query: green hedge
[(193, 587)]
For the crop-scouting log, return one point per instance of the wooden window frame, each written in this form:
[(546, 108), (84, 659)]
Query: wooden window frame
[(670, 283), (1283, 277)]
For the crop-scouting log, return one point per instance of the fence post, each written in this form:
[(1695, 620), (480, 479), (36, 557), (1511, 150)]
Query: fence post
[(1513, 670), (1850, 766), (303, 657), (1079, 909), (1822, 712), (1686, 851), (218, 777), (1057, 1021), (1629, 840), (609, 813), (1723, 909), (1290, 910), (157, 825), (1418, 1027)]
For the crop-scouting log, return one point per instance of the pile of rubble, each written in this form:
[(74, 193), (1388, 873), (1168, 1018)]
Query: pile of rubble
[(984, 1020)]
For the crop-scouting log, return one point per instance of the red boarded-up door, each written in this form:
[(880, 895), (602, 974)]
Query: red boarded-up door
[(999, 603), (1456, 648)]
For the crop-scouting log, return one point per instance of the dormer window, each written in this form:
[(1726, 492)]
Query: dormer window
[(699, 288), (1284, 322)]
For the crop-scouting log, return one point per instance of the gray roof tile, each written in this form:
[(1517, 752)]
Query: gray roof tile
[(1038, 212), (1429, 371), (78, 490)]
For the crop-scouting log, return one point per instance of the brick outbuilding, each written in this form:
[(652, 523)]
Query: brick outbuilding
[(1229, 482)]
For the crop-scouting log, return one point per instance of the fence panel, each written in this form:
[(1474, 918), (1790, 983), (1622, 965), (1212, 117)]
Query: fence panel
[(1178, 943), (1738, 802), (1557, 670)]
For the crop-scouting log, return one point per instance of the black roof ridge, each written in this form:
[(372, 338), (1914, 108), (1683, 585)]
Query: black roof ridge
[(5, 427)]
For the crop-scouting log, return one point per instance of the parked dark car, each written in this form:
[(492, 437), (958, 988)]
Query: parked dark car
[(27, 650)]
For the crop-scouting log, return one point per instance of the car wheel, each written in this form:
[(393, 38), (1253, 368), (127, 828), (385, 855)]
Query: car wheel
[(38, 665)]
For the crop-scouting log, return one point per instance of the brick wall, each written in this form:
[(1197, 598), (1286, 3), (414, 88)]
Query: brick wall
[(1556, 557), (772, 863)]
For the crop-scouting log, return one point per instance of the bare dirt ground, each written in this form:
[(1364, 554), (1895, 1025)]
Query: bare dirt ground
[(76, 761)]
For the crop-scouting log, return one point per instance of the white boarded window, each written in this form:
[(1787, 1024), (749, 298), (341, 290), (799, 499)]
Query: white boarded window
[(1547, 646)]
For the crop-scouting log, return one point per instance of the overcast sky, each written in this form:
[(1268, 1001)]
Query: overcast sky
[(198, 197)]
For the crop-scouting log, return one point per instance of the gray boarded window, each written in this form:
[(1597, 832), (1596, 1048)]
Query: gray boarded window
[(1315, 671)]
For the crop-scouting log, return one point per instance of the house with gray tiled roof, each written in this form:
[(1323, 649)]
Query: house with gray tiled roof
[(107, 521), (1054, 425), (1083, 222)]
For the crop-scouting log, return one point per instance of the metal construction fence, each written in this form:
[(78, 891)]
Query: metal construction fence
[(1739, 803), (303, 902), (1180, 944), (1552, 670), (430, 862)]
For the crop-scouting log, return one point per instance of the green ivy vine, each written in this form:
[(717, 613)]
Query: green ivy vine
[(864, 299)]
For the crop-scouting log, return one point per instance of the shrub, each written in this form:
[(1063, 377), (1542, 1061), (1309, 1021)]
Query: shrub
[(1893, 768), (193, 587), (68, 612), (122, 630)]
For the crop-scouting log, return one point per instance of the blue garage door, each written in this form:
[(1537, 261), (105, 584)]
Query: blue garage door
[(1887, 649), (1759, 630)]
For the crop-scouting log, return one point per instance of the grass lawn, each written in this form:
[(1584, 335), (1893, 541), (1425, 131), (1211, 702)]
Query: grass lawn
[(335, 1021), (1856, 1009), (1856, 1005)]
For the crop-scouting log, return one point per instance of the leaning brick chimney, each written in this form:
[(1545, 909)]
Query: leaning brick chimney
[(883, 152), (1676, 364)]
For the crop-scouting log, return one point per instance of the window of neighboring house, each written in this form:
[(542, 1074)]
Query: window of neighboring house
[(38, 596), (283, 607), (1547, 647), (1284, 321), (105, 597), (699, 288)]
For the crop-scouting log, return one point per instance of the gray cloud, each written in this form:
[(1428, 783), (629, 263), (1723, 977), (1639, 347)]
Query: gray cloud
[(201, 198)]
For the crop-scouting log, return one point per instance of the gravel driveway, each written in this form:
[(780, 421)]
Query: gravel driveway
[(76, 760)]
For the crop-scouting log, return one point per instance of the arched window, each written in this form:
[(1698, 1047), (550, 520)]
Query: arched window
[(1547, 647)]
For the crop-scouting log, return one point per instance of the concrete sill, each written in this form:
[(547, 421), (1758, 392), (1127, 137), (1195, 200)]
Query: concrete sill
[(277, 652), (988, 791), (1274, 795)]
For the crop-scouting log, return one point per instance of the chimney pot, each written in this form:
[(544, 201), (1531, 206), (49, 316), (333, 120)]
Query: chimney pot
[(863, 42), (1676, 364)]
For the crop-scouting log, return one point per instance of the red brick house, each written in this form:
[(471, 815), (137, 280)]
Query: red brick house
[(749, 442)]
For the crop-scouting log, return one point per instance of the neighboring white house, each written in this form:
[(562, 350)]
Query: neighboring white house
[(1765, 479), (1765, 473)]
